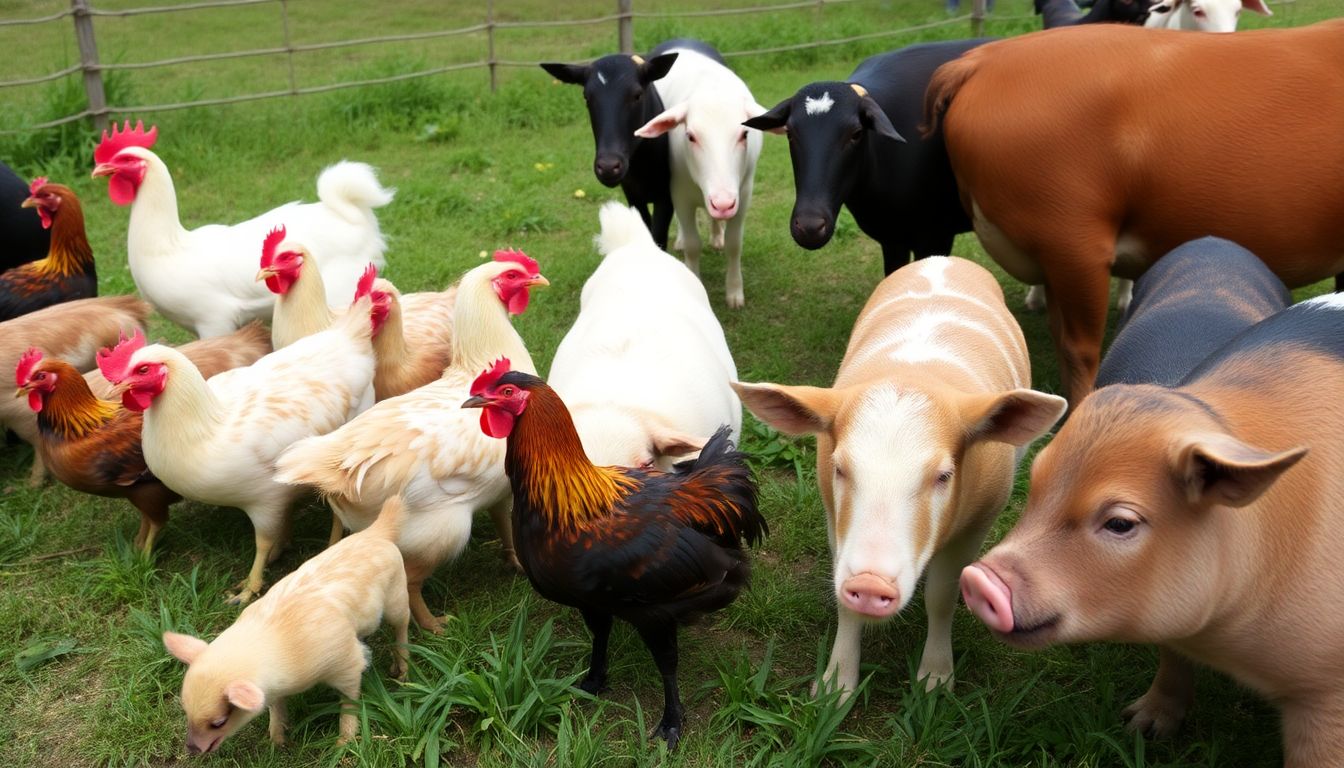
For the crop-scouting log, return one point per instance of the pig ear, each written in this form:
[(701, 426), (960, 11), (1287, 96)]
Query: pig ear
[(1258, 6), (671, 117), (773, 120), (1015, 417), (1216, 468), (245, 695), (656, 68), (671, 443), (874, 119), (184, 647), (574, 74), (791, 410)]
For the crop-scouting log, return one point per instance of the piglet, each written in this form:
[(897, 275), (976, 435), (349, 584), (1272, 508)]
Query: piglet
[(917, 443), (1207, 518), (306, 630)]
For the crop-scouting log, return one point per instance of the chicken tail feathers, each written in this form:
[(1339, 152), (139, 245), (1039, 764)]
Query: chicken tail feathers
[(621, 226), (718, 493), (312, 462), (352, 189)]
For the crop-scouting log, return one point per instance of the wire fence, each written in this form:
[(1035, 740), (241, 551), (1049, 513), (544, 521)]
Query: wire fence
[(83, 16)]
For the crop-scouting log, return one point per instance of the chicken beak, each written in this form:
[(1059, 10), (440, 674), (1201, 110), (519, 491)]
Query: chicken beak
[(538, 280), (103, 169), (30, 202), (22, 391), (264, 273), (476, 402)]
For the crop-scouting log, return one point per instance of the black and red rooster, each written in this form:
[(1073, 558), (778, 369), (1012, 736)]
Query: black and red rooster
[(653, 548), (67, 273)]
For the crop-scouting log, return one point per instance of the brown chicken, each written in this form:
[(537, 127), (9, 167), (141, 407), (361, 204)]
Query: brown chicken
[(93, 445), (416, 342), (67, 273), (656, 549)]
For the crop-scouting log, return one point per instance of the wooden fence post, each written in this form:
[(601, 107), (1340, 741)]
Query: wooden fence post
[(289, 46), (977, 18), (490, 43), (88, 61), (625, 28)]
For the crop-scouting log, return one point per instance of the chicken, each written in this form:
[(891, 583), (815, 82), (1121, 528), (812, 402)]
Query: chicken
[(415, 342), (67, 273), (655, 549), (72, 331), (418, 445), (93, 445), (22, 238), (203, 278), (216, 441)]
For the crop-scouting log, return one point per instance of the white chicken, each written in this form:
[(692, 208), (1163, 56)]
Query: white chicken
[(416, 340), (216, 441), (423, 446), (202, 279)]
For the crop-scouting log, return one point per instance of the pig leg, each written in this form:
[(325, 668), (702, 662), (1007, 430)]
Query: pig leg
[(733, 252), (347, 682), (942, 588), (277, 725), (1313, 733), (1159, 712), (842, 671), (397, 612), (1077, 314)]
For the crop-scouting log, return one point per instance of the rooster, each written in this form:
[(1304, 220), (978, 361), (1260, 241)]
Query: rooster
[(67, 272), (216, 441), (416, 340), (655, 549), (72, 331), (418, 446), (21, 238), (93, 445), (203, 278)]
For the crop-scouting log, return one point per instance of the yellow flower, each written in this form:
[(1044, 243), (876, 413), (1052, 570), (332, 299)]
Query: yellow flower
[(579, 193)]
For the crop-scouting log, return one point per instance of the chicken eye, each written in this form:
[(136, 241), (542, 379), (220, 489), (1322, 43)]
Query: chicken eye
[(507, 391), (40, 376), (142, 369)]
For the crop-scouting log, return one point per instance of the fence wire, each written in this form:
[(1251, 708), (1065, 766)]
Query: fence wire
[(489, 27)]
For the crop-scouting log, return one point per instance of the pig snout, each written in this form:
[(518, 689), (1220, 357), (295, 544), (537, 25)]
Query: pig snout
[(870, 595), (988, 597), (722, 205)]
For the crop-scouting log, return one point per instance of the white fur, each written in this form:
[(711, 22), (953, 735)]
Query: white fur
[(646, 354), (819, 106), (705, 99), (1203, 15), (205, 278)]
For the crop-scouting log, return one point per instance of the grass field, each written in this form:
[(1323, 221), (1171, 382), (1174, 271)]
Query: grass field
[(84, 679)]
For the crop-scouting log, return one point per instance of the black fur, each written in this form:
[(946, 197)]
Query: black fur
[(22, 238), (1064, 13)]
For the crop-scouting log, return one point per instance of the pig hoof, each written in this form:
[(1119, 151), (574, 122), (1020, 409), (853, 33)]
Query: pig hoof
[(1156, 717), (1035, 300)]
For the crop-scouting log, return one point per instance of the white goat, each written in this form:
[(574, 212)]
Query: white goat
[(713, 156), (645, 368)]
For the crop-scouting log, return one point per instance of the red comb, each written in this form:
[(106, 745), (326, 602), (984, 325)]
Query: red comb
[(518, 257), (273, 238), (27, 363), (490, 376), (115, 363), (365, 285), (38, 183), (126, 137)]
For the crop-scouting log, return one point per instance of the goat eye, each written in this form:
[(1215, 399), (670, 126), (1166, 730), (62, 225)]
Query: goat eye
[(944, 477)]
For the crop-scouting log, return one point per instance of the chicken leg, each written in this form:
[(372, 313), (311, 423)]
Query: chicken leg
[(661, 639)]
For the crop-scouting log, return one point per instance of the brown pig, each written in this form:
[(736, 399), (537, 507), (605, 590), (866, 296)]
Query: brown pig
[(917, 444), (1207, 518)]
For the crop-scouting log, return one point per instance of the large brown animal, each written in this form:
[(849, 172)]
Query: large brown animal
[(1070, 179)]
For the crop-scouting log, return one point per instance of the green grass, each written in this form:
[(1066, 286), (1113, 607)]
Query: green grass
[(84, 679)]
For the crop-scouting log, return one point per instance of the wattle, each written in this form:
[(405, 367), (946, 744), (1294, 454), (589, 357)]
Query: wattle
[(45, 215), (517, 302), (121, 190), (136, 401), (35, 400), (496, 422), (279, 283)]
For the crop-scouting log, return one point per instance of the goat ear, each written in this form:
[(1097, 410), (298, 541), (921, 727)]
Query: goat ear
[(1015, 417), (791, 410), (574, 74), (773, 120), (1216, 468), (245, 695), (1258, 6), (184, 648), (656, 68), (670, 118), (874, 119)]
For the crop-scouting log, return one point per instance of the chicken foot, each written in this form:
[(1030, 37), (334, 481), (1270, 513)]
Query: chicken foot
[(661, 639)]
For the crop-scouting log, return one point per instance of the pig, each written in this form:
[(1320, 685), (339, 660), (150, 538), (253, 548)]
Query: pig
[(305, 630), (917, 443), (1206, 518), (644, 373), (713, 157)]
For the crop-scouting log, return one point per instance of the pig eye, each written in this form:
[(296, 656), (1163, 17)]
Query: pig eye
[(944, 477), (1121, 523), (839, 472), (219, 722)]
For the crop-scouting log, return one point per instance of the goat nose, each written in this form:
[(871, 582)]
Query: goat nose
[(811, 231), (609, 170), (870, 595)]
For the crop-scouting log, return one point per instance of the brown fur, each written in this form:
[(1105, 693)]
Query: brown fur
[(1069, 179)]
